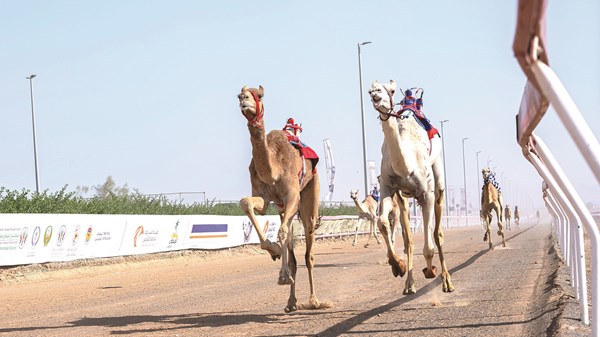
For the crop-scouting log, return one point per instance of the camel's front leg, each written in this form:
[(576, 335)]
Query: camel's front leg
[(500, 226), (285, 236), (257, 204), (404, 211), (360, 220), (438, 236), (487, 235), (427, 206), (398, 266)]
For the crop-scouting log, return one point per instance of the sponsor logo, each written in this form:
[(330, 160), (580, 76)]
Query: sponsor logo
[(138, 232), (174, 236), (23, 237), (60, 239), (75, 235), (209, 231), (88, 234), (35, 237), (47, 235)]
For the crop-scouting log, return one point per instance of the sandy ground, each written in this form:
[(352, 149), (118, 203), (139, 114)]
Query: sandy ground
[(512, 291)]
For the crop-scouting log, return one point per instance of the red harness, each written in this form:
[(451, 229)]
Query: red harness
[(256, 122)]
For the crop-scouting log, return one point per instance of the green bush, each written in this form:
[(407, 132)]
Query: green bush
[(64, 202)]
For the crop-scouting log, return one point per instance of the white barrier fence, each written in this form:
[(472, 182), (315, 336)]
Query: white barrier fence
[(40, 238), (544, 88)]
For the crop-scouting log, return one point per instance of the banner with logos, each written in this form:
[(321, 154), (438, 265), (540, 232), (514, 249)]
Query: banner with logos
[(39, 238)]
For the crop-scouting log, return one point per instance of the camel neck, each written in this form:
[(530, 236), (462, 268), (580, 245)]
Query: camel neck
[(261, 154), (399, 146)]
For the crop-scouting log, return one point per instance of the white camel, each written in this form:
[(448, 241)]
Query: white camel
[(408, 169), (367, 210)]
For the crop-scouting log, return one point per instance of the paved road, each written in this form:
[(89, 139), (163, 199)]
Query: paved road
[(505, 292)]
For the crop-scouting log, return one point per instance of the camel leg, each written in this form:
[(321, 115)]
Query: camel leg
[(251, 204), (285, 237), (500, 226), (360, 220), (403, 208), (309, 211), (438, 235), (427, 208), (398, 266), (375, 232), (487, 236), (394, 221)]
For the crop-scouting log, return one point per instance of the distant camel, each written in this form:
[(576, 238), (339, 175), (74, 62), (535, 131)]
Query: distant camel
[(491, 199), (367, 210), (507, 217), (517, 216)]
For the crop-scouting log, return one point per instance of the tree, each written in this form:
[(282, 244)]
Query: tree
[(109, 187)]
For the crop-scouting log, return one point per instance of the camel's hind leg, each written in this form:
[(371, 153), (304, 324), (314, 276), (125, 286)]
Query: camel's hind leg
[(309, 211), (438, 236), (257, 204)]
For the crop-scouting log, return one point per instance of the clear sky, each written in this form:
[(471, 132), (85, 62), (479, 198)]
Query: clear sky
[(145, 91)]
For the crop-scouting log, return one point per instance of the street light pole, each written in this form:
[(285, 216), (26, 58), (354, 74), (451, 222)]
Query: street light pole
[(362, 113), (444, 162), (35, 156), (465, 181), (478, 187)]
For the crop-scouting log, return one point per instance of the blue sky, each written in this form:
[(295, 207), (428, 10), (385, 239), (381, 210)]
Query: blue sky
[(145, 91)]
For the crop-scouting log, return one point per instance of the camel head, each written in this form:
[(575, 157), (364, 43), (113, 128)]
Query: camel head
[(353, 194), (486, 172), (251, 104), (382, 95)]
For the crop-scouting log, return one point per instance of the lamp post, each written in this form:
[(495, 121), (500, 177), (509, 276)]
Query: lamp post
[(465, 181), (478, 187), (445, 172), (362, 113), (35, 157)]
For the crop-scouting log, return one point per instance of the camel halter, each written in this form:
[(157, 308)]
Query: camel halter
[(259, 112)]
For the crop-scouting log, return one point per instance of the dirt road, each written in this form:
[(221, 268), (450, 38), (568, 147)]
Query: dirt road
[(505, 292)]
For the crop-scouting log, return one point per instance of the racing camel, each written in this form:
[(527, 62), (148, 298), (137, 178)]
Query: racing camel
[(279, 172), (491, 200), (408, 169)]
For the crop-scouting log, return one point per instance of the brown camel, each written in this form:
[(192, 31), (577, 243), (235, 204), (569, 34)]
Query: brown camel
[(279, 173), (491, 199), (367, 210)]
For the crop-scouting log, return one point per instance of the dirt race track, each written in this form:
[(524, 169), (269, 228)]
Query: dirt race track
[(514, 291)]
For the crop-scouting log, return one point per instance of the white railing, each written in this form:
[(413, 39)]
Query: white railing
[(544, 88)]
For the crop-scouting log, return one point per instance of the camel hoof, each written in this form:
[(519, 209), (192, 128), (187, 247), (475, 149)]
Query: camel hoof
[(448, 287), (409, 290), (398, 266), (285, 278), (354, 243), (430, 273), (367, 245), (290, 308)]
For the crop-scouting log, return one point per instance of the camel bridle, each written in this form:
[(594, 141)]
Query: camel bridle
[(256, 121)]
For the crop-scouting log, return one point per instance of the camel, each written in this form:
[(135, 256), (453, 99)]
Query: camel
[(408, 170), (367, 210), (507, 217), (275, 169), (491, 199), (517, 216)]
